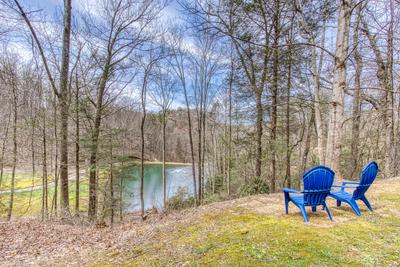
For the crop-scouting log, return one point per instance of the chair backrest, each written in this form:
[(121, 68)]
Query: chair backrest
[(317, 184), (368, 176)]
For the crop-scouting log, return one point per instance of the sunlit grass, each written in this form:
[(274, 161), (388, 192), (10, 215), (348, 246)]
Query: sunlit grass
[(30, 203), (240, 237), (23, 180), (247, 239)]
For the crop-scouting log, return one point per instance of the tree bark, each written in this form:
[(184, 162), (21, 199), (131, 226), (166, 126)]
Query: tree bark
[(274, 106), (335, 129), (143, 102), (230, 129), (62, 95), (3, 147), (385, 76), (54, 206), (92, 210), (64, 108), (112, 206), (164, 178), (14, 152), (45, 208), (259, 125), (389, 114), (77, 148), (288, 91), (179, 69), (316, 72), (356, 116), (317, 97), (304, 157), (196, 199)]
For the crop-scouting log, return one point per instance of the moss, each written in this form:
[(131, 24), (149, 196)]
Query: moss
[(243, 238), (390, 199)]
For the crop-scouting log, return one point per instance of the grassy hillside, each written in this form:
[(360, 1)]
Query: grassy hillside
[(252, 231), (255, 232)]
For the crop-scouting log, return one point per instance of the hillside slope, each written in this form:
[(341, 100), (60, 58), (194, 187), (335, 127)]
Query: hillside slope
[(250, 231)]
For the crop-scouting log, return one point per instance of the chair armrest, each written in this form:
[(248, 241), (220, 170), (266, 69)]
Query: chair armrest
[(344, 186), (289, 190), (349, 182)]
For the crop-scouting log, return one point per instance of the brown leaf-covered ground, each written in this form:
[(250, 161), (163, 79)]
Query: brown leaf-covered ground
[(29, 241)]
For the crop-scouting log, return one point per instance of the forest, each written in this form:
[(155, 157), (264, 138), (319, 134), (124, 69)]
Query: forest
[(123, 112)]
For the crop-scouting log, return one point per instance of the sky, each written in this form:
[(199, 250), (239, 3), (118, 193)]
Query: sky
[(51, 8)]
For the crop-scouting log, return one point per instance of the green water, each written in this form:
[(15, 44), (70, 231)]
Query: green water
[(177, 176)]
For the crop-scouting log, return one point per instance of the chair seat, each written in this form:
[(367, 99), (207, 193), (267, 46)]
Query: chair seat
[(341, 195), (297, 199), (317, 183)]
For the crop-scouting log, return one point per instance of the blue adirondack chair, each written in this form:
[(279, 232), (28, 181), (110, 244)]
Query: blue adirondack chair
[(368, 176), (317, 185)]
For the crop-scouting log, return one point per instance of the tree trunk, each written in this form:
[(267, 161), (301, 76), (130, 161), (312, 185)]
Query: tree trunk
[(288, 88), (335, 129), (199, 146), (259, 125), (14, 155), (384, 74), (191, 144), (142, 151), (3, 148), (45, 207), (274, 106), (77, 149), (111, 184), (317, 96), (164, 178), (92, 210), (356, 116), (316, 72), (33, 156), (306, 150), (230, 130), (54, 206), (203, 152), (64, 109), (389, 124)]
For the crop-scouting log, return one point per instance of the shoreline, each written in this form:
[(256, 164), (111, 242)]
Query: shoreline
[(166, 163)]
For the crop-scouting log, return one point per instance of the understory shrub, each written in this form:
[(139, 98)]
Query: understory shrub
[(255, 185), (181, 200)]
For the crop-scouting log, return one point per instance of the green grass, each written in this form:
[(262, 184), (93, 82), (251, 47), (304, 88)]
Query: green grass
[(22, 180), (29, 204), (26, 204), (243, 238)]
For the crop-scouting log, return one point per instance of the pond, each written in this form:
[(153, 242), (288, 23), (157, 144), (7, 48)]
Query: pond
[(178, 177)]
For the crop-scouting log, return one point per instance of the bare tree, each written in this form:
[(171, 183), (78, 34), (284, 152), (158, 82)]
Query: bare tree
[(335, 129), (61, 93), (163, 93), (8, 75), (179, 66), (121, 30)]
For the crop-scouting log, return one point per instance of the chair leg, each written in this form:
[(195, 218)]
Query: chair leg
[(366, 202), (329, 212), (304, 213), (286, 203), (355, 207), (338, 203), (314, 209)]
